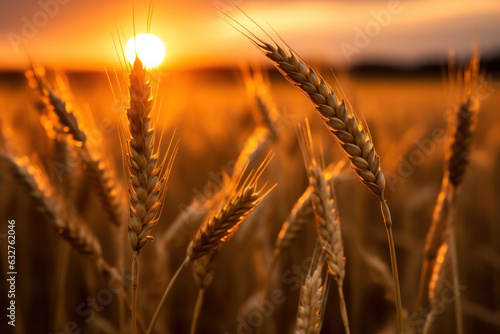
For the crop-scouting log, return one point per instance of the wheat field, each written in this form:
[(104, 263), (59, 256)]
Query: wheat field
[(227, 201)]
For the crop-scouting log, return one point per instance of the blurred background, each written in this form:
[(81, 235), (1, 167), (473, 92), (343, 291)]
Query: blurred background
[(387, 58)]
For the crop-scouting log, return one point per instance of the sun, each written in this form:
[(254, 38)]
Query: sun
[(150, 50)]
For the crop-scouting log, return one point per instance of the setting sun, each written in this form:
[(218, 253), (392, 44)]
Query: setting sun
[(148, 47)]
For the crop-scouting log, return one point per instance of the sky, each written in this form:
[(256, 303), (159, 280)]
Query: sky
[(85, 34)]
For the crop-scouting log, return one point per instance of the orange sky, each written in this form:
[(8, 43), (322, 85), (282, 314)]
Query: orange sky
[(77, 34)]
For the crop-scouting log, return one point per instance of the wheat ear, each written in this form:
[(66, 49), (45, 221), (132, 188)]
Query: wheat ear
[(147, 185), (219, 228), (98, 171), (457, 163), (301, 214), (36, 182), (58, 106), (312, 301), (326, 217), (302, 211), (348, 131), (254, 145), (63, 219)]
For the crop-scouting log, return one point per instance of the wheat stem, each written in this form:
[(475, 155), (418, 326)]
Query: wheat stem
[(62, 273), (165, 294), (386, 213), (197, 309), (454, 265), (343, 308)]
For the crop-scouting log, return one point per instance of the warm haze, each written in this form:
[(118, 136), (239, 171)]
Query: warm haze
[(79, 34), (340, 175)]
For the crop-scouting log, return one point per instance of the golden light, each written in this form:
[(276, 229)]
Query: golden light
[(150, 50)]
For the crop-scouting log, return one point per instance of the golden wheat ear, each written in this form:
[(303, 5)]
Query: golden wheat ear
[(463, 127), (258, 88), (148, 174), (313, 295), (220, 226), (326, 215), (345, 126), (98, 170), (55, 103)]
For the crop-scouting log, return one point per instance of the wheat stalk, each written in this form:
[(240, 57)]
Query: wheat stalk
[(148, 176), (326, 217), (435, 284), (312, 301), (203, 272), (345, 127), (434, 239), (442, 230), (220, 227)]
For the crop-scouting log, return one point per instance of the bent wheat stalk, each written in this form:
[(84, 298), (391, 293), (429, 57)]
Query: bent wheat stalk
[(148, 176), (346, 128), (457, 163), (443, 228), (219, 228)]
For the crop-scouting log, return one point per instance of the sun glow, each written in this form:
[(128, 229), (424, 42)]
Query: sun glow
[(150, 50)]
